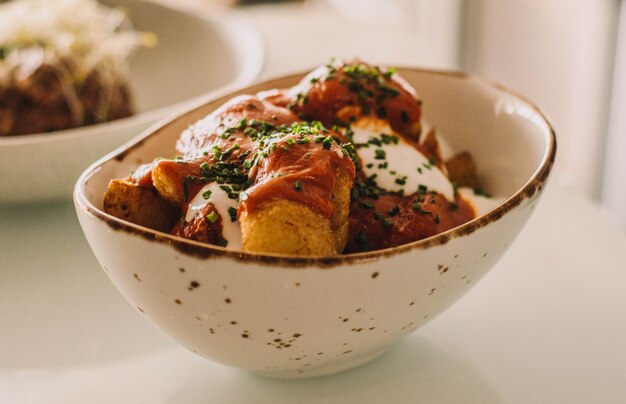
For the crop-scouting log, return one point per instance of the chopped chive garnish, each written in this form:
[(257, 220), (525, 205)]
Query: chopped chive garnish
[(437, 219), (401, 180), (233, 214), (379, 154), (394, 211), (478, 191), (328, 140), (298, 185), (212, 217), (206, 194)]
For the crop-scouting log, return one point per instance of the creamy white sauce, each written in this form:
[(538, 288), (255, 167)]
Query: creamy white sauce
[(406, 167), (231, 231)]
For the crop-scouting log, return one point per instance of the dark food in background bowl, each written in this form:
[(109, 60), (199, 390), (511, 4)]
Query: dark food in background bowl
[(63, 65)]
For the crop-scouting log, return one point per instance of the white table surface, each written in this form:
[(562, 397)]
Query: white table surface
[(546, 325)]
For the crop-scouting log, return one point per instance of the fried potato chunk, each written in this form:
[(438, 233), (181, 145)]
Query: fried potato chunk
[(339, 224), (287, 227), (143, 206), (462, 170)]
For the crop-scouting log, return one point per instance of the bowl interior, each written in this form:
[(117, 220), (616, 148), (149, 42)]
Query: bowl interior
[(508, 137)]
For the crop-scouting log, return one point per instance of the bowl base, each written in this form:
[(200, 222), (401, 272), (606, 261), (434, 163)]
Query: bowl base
[(350, 362)]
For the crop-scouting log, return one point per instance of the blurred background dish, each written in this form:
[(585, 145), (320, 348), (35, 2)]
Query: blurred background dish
[(219, 51)]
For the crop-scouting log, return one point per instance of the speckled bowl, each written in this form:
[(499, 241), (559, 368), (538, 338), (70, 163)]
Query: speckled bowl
[(296, 317)]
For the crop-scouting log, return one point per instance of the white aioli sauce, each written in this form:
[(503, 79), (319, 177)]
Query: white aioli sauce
[(402, 162), (231, 231)]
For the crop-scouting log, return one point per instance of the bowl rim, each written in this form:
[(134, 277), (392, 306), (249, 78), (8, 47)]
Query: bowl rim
[(250, 70), (204, 251)]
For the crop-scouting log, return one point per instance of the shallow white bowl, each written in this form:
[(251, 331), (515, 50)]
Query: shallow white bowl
[(289, 317), (196, 54)]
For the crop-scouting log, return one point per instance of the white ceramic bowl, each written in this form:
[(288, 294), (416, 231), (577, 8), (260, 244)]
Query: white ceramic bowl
[(196, 54), (288, 316)]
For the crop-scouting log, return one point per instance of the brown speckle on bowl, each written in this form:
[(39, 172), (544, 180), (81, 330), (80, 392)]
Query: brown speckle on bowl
[(484, 255), (227, 300), (432, 291), (140, 309), (346, 352), (137, 277), (374, 275), (181, 269), (411, 304), (178, 301), (193, 285), (233, 322), (270, 330), (456, 255), (244, 335), (297, 284), (211, 330)]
